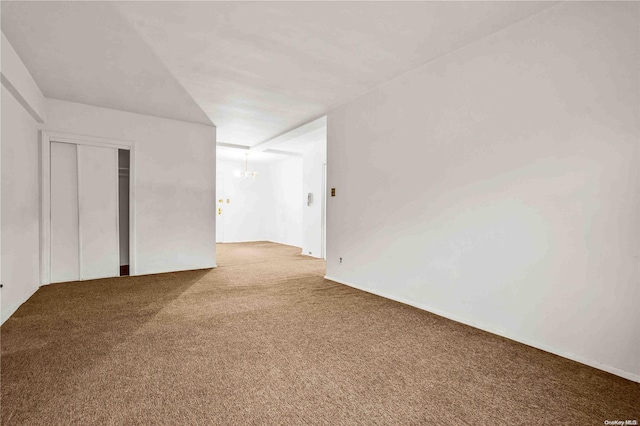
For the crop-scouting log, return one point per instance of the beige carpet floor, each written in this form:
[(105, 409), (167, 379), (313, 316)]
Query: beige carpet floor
[(264, 339)]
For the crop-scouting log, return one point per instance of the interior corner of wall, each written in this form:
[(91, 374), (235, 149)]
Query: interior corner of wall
[(17, 79)]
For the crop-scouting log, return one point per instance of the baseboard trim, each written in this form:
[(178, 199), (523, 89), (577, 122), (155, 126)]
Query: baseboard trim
[(609, 369), (7, 312), (159, 272), (310, 255), (140, 274)]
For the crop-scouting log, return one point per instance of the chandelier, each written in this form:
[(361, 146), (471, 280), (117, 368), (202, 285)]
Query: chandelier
[(246, 173)]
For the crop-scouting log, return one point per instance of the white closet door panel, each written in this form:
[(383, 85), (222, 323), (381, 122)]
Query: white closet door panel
[(98, 196), (64, 213)]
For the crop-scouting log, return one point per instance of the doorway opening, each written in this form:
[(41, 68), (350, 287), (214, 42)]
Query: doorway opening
[(275, 191), (124, 166)]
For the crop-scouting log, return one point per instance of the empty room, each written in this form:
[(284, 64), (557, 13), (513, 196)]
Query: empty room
[(320, 212)]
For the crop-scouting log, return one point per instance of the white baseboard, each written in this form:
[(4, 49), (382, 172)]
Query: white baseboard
[(10, 310), (310, 255), (7, 312), (490, 329)]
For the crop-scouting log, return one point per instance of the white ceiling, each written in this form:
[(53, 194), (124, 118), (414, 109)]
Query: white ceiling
[(298, 140), (238, 155), (304, 142), (291, 144), (85, 52), (256, 69)]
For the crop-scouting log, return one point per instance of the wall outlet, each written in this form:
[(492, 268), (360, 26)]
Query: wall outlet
[(341, 261)]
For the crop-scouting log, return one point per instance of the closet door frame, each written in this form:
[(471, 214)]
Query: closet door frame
[(46, 137)]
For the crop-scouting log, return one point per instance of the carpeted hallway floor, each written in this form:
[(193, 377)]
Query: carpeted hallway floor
[(264, 339)]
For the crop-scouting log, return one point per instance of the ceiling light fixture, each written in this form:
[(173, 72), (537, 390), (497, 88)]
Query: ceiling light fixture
[(246, 173)]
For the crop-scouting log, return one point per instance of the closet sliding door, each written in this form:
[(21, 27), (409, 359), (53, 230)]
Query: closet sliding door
[(84, 212), (65, 256), (98, 212)]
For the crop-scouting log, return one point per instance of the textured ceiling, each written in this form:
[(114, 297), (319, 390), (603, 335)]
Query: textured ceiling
[(256, 69)]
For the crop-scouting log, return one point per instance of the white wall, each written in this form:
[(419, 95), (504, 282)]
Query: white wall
[(21, 110), (174, 182), (267, 208), (498, 186), (286, 201), (312, 180), (20, 231), (247, 216)]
